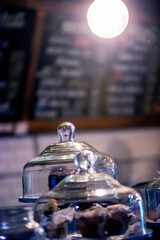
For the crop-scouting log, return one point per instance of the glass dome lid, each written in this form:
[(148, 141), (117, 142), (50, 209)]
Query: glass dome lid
[(56, 161), (151, 195), (91, 205), (155, 183), (67, 144)]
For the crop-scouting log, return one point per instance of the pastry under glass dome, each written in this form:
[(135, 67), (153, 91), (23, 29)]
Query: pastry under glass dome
[(150, 192), (90, 205), (55, 162)]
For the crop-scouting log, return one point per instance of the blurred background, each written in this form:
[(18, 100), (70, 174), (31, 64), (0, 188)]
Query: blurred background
[(54, 69)]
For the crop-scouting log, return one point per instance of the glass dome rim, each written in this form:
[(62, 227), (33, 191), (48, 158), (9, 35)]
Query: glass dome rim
[(60, 192), (63, 145)]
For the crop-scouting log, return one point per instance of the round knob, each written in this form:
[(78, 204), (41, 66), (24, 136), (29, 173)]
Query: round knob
[(85, 161), (66, 131)]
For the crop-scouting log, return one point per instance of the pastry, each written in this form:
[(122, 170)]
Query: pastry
[(91, 222)]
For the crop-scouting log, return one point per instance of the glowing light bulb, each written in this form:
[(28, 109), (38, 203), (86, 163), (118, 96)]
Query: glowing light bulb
[(107, 18)]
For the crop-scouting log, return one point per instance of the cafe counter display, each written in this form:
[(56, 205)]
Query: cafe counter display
[(91, 205), (56, 161)]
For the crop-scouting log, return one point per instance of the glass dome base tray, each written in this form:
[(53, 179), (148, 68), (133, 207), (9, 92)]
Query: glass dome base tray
[(28, 200), (153, 224), (148, 235)]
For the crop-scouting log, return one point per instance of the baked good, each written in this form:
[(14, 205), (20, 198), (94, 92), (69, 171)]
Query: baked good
[(92, 221), (118, 220)]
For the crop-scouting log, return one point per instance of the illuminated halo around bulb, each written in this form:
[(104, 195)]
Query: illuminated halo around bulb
[(107, 18)]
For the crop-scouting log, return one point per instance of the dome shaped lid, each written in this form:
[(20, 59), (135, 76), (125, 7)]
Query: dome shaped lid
[(56, 161), (88, 185), (65, 149), (91, 205), (154, 184), (66, 133)]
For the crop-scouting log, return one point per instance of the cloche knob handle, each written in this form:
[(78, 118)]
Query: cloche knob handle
[(85, 161), (66, 131)]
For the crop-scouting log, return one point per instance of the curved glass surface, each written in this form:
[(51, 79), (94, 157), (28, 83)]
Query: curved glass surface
[(56, 161), (89, 204)]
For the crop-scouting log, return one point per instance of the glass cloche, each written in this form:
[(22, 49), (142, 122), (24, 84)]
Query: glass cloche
[(89, 205), (150, 192), (55, 162)]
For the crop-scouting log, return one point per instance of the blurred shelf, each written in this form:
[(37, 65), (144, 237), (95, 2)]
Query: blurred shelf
[(107, 123), (97, 123)]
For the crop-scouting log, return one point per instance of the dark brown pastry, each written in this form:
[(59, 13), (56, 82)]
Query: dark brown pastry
[(153, 215), (91, 222), (119, 218), (50, 207)]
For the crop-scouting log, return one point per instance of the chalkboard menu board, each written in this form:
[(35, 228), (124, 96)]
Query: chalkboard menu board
[(16, 27), (63, 76), (135, 69), (80, 75)]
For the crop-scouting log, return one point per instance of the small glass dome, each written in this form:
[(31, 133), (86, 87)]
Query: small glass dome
[(153, 200), (150, 192), (90, 205), (55, 162)]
